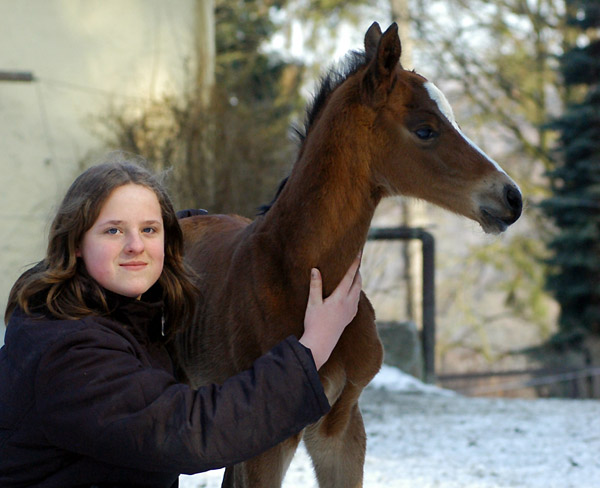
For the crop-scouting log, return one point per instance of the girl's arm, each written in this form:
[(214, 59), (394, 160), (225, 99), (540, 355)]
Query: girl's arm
[(97, 399)]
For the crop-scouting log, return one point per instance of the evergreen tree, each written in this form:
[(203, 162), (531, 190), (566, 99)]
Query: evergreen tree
[(574, 206)]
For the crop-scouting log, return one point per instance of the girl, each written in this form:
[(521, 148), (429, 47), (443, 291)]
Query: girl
[(88, 392)]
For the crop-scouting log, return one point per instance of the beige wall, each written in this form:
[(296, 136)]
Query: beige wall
[(85, 55)]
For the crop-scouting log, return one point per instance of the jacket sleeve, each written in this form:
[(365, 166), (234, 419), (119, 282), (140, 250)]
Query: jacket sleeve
[(97, 399)]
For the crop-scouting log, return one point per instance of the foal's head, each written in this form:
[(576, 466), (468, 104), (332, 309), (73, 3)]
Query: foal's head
[(417, 148)]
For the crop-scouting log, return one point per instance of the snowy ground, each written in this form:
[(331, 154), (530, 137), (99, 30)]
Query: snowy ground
[(423, 437)]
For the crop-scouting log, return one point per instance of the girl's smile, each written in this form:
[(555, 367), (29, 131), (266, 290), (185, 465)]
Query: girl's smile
[(134, 265)]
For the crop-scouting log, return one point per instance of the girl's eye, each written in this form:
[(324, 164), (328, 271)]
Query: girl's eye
[(148, 230), (112, 231)]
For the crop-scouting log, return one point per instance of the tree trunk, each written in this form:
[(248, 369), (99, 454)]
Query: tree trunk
[(202, 158), (413, 211), (205, 50)]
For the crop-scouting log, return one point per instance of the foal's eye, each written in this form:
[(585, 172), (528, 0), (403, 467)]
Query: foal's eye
[(425, 133)]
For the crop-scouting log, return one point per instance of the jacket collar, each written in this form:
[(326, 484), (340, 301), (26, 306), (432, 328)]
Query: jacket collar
[(143, 317)]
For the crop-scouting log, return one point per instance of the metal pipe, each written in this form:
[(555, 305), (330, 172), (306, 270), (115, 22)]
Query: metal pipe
[(428, 250), (16, 76)]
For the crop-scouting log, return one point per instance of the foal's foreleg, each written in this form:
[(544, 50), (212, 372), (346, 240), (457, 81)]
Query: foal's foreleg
[(265, 470), (337, 444)]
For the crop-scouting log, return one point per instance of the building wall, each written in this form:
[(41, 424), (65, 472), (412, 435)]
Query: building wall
[(86, 56)]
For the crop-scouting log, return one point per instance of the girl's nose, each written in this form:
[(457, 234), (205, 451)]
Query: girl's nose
[(134, 244)]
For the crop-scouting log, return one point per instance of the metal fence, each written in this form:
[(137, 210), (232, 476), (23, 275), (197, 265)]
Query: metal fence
[(582, 382)]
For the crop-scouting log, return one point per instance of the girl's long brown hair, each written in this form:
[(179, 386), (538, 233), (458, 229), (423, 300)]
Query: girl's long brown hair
[(61, 282)]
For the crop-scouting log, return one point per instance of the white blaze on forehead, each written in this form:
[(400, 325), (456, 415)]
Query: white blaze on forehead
[(442, 102)]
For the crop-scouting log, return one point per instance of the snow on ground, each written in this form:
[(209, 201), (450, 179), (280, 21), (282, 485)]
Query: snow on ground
[(420, 436)]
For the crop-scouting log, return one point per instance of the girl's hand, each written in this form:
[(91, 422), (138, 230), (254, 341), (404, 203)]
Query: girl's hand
[(326, 319)]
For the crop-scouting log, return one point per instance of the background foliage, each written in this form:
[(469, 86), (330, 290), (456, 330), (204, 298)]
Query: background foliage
[(244, 132)]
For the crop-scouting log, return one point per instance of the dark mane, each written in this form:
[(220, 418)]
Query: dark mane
[(335, 76), (263, 209)]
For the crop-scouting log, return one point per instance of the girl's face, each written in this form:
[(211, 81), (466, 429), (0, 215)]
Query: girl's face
[(124, 249)]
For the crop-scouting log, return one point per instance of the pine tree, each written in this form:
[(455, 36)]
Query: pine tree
[(574, 206)]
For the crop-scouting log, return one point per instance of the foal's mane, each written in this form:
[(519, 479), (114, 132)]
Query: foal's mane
[(333, 78)]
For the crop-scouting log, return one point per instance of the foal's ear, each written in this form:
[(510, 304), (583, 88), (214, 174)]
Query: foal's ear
[(372, 40), (382, 51)]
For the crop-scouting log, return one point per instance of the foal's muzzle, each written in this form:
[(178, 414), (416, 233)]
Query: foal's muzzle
[(497, 216)]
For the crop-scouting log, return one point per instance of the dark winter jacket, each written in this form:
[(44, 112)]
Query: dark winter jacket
[(95, 402)]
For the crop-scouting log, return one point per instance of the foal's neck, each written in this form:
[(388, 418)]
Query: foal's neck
[(322, 217)]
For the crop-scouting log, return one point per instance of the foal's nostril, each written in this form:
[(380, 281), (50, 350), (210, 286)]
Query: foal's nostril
[(513, 199)]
